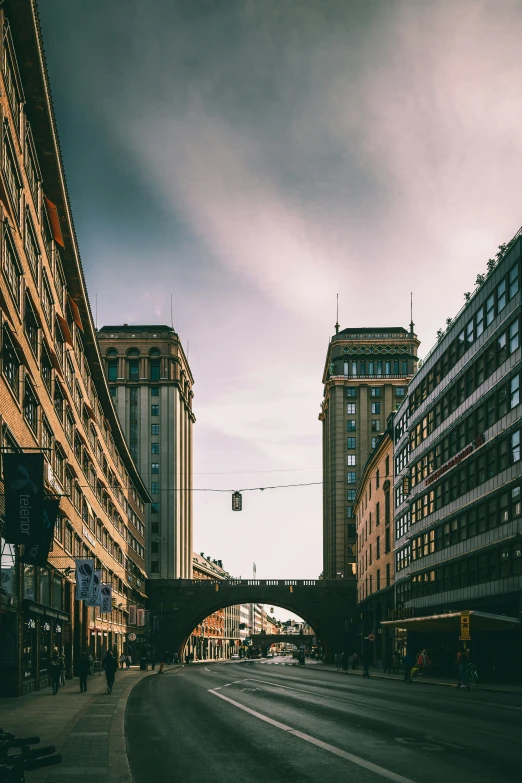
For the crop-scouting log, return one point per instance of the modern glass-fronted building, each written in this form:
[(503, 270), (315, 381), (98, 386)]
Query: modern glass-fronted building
[(458, 476)]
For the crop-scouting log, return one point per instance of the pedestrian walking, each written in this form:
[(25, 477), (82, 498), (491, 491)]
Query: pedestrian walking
[(344, 662), (84, 669), (408, 664), (337, 661), (355, 661), (110, 664), (91, 665), (55, 669), (395, 663), (62, 668), (176, 658), (462, 669), (388, 661), (128, 662), (121, 660), (366, 663)]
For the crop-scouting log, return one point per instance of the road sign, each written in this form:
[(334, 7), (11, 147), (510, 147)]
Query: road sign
[(371, 637), (464, 627)]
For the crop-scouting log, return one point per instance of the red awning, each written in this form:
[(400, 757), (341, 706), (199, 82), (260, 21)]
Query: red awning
[(75, 313), (54, 359), (90, 411), (54, 220), (64, 326)]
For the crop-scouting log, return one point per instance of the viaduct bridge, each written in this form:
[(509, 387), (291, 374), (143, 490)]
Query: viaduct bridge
[(327, 605)]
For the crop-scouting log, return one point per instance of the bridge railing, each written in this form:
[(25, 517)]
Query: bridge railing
[(255, 582)]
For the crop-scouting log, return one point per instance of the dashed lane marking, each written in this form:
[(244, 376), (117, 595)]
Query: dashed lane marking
[(360, 762)]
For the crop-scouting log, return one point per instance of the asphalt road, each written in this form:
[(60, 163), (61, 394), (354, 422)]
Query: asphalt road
[(262, 721)]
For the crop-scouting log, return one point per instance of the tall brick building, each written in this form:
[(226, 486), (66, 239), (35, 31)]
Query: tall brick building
[(365, 377), (53, 392)]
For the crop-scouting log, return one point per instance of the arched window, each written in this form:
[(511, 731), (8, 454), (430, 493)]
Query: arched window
[(112, 352), (133, 352)]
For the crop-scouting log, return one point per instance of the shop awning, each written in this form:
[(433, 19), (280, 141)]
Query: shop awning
[(450, 623)]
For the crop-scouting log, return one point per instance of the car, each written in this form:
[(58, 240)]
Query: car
[(234, 657)]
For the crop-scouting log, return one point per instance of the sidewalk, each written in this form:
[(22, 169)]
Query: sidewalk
[(431, 680), (88, 729)]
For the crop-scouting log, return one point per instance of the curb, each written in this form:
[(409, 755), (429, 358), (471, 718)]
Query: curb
[(421, 681), (119, 769)]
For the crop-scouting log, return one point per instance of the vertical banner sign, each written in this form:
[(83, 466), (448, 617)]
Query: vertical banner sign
[(84, 579), (95, 599), (106, 599), (132, 614), (24, 496), (464, 627), (141, 617), (38, 552)]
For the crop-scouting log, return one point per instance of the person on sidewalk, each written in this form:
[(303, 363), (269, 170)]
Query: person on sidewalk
[(84, 668), (337, 661), (366, 663), (344, 662), (128, 662), (110, 664), (62, 668), (355, 661), (388, 661), (408, 663), (395, 663), (462, 669), (121, 660), (55, 670)]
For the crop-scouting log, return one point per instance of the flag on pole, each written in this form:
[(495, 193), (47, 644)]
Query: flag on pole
[(95, 599), (106, 599), (84, 579)]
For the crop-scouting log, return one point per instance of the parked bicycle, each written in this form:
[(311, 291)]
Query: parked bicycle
[(473, 677), (17, 756)]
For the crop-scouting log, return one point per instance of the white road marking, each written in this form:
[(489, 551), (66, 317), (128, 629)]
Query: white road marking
[(216, 689), (226, 686), (207, 670), (385, 773)]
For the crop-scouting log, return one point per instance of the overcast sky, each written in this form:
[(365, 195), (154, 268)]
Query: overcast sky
[(254, 158)]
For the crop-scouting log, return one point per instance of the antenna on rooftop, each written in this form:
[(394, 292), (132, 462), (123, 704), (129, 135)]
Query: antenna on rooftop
[(337, 321), (411, 312)]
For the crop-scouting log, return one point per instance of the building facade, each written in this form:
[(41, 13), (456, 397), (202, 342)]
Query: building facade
[(375, 549), (365, 378), (151, 387), (53, 394), (458, 524)]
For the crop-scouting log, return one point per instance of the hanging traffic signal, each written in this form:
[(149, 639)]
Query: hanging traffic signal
[(237, 501)]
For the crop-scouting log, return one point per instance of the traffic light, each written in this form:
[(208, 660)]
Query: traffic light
[(237, 501)]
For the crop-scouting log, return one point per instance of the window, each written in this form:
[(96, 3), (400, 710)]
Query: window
[(490, 309), (31, 248), (351, 443), (351, 459), (351, 391), (11, 175), (154, 369), (514, 388), (376, 407), (515, 446), (154, 391), (374, 442), (154, 448), (154, 487), (45, 369), (113, 391), (400, 391), (11, 363), (351, 495), (349, 512), (154, 467), (134, 370), (11, 269), (376, 425), (513, 281), (501, 295), (513, 337), (30, 407), (377, 547), (350, 408), (351, 477), (480, 321), (375, 391), (388, 575), (154, 429), (154, 410), (351, 425), (112, 367)]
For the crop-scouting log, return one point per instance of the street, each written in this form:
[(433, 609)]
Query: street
[(270, 720)]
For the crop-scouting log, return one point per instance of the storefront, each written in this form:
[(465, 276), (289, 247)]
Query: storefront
[(487, 637)]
